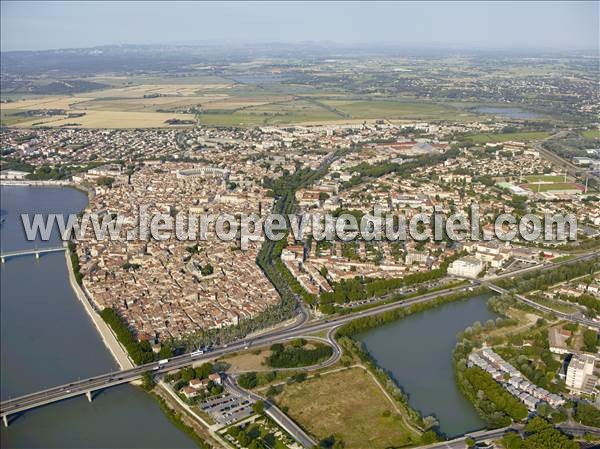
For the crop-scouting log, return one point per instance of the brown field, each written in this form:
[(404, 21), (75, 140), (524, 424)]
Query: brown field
[(54, 102), (247, 361), (145, 104), (111, 119), (138, 91), (350, 405)]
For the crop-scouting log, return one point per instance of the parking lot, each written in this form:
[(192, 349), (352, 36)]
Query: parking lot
[(227, 408)]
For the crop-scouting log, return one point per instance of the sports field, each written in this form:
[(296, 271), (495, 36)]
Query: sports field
[(547, 178), (552, 186)]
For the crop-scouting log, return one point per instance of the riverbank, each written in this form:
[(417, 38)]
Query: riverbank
[(183, 418), (411, 352), (50, 183), (108, 337)]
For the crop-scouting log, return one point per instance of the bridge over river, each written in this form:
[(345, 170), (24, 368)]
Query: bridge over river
[(5, 255)]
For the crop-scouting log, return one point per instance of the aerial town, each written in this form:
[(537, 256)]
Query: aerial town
[(264, 234), (167, 289)]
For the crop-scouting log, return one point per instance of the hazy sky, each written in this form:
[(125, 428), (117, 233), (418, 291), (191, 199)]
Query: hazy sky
[(44, 25)]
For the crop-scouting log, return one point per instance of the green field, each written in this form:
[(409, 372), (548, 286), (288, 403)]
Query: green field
[(556, 305), (538, 187), (591, 134), (525, 136), (388, 109), (547, 178), (7, 118)]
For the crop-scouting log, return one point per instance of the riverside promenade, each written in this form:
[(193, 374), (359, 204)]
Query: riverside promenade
[(108, 337)]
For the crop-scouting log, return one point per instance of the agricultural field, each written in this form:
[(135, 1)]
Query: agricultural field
[(108, 119), (387, 109), (8, 117), (364, 418), (222, 103), (127, 106)]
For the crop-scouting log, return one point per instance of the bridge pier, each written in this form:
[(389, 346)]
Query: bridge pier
[(88, 394), (3, 260), (5, 420), (37, 255)]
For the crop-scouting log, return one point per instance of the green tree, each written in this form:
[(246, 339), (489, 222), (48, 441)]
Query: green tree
[(248, 380), (204, 370), (148, 381), (259, 407), (429, 437)]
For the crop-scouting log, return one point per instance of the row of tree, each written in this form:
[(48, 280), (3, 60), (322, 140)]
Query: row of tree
[(363, 324), (140, 352), (539, 434), (292, 356), (495, 404), (75, 263), (350, 290), (541, 281)]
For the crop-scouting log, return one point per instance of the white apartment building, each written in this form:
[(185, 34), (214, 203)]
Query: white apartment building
[(467, 266), (580, 373)]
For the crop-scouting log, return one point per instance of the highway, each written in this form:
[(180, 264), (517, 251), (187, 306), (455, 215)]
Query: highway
[(570, 168), (567, 316), (299, 328)]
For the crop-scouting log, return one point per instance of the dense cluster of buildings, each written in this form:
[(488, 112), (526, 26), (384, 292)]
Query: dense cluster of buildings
[(165, 288), (512, 380)]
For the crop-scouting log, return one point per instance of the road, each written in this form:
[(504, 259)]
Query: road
[(299, 328), (568, 166), (567, 316), (272, 411), (494, 434)]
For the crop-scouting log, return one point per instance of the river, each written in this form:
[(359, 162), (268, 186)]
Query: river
[(47, 339), (417, 352)]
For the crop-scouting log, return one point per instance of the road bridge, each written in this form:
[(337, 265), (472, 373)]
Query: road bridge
[(5, 255), (273, 412)]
